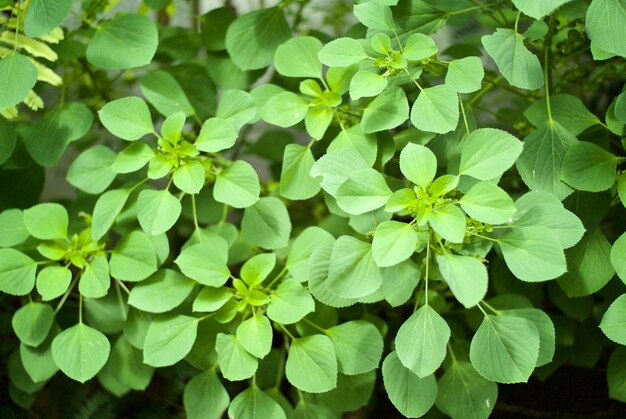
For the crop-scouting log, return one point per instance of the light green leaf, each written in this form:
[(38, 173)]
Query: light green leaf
[(393, 243), (466, 276), (255, 335), (536, 9), (399, 282), (17, 272), (32, 323), (189, 177), (257, 268), (12, 228), (92, 171), (47, 221), (38, 362), (366, 84), (253, 403), (587, 167), (533, 254), (211, 299), (358, 346), (311, 364), (169, 339), (566, 109), (216, 134), (436, 109), (236, 107), (463, 393), (205, 396), (133, 259), (618, 250), (266, 223), (42, 16), (375, 15), (421, 341), (488, 152), (235, 362), (411, 395), (295, 181), (162, 292), (132, 158), (465, 75), (351, 139), (127, 118), (301, 249), (336, 166), (252, 39), (126, 41), (52, 282), (17, 76), (298, 57), (418, 47), (157, 211), (105, 212), (352, 272), (614, 320), (505, 349), (289, 302), (545, 327), (516, 63), (418, 164), (342, 52), (165, 93), (317, 121), (205, 262), (589, 267), (364, 191), (488, 203), (80, 351), (95, 280), (238, 185), (449, 222), (386, 111), (605, 23), (285, 109), (125, 369)]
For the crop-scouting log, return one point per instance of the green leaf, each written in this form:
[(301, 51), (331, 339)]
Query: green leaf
[(132, 158), (411, 395), (257, 268), (418, 47), (488, 203), (52, 282), (285, 109), (375, 15), (169, 339), (236, 107), (364, 191), (342, 52), (127, 118), (126, 41), (125, 369), (266, 224), (436, 109), (463, 393), (235, 362), (352, 139), (545, 327), (211, 299), (587, 167), (216, 134), (317, 121), (8, 140), (32, 323), (298, 58), (238, 185), (205, 262), (47, 221), (488, 152), (366, 84), (393, 243), (604, 23), (466, 276), (533, 254), (255, 335), (157, 211), (295, 181), (566, 109), (418, 164), (618, 250), (505, 349), (92, 171), (516, 63), (449, 222), (105, 212), (95, 280), (12, 228), (465, 75), (17, 272), (300, 252), (189, 177), (311, 364), (43, 16), (358, 346), (80, 351), (252, 39), (163, 291), (589, 267), (165, 93), (253, 403), (537, 10), (616, 374), (133, 259), (386, 111), (289, 302), (352, 272), (17, 76), (336, 166), (38, 362), (399, 281), (205, 396), (421, 341)]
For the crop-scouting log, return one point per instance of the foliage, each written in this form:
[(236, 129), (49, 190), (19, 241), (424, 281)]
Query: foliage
[(279, 219)]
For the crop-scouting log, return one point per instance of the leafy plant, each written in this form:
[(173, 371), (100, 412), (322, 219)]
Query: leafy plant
[(273, 217)]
